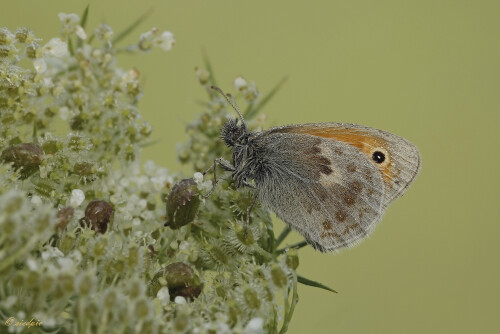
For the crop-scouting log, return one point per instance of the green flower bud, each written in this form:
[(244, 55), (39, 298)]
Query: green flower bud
[(251, 298), (22, 34), (182, 204), (292, 259), (25, 156), (278, 276), (97, 215), (83, 169)]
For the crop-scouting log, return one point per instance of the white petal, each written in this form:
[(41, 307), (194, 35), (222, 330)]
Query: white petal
[(254, 326), (240, 83), (40, 65), (56, 47), (77, 197), (198, 178), (180, 300), (81, 33)]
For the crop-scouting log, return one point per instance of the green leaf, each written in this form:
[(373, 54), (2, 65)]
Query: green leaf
[(312, 283), (85, 16), (70, 47), (252, 111), (131, 27)]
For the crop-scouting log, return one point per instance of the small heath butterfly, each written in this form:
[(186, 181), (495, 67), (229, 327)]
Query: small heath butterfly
[(332, 182)]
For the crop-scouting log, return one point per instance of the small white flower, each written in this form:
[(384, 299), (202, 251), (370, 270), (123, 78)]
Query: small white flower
[(76, 256), (205, 186), (47, 82), (141, 205), (64, 113), (254, 326), (180, 300), (149, 167), (163, 295), (40, 65), (166, 41), (21, 315), (32, 264), (36, 200), (9, 302), (55, 47), (77, 197), (183, 245), (198, 178), (49, 322), (68, 19), (136, 221), (51, 252), (81, 33), (65, 263), (240, 83), (104, 32)]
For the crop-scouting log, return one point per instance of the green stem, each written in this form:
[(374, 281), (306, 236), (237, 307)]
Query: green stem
[(297, 245), (283, 235), (289, 309)]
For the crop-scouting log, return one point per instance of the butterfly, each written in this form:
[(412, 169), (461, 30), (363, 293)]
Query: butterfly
[(332, 182)]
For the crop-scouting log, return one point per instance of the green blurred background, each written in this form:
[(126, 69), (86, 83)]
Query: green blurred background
[(426, 70)]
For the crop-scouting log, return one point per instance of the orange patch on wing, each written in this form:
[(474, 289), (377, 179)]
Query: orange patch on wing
[(364, 141)]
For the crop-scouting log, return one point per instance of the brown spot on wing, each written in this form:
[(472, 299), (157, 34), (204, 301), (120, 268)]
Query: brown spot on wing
[(351, 168), (327, 225), (349, 200), (355, 188), (340, 216)]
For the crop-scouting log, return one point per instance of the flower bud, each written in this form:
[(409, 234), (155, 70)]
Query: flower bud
[(25, 156), (180, 279), (182, 204), (278, 276), (97, 215), (292, 259), (22, 34), (83, 168)]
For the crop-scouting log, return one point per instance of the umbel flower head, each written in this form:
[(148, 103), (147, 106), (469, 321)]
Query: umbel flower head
[(82, 241)]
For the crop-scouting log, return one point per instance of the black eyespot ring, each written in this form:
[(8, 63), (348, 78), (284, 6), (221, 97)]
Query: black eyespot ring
[(378, 157)]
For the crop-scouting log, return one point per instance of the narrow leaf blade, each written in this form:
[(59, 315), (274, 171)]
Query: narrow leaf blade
[(249, 114), (131, 27), (314, 284), (85, 16)]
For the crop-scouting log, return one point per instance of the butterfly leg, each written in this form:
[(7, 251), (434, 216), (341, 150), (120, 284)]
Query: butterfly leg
[(247, 221), (226, 165)]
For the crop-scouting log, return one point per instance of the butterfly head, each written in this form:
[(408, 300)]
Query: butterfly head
[(232, 133)]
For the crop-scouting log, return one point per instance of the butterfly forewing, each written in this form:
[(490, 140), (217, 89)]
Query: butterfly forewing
[(400, 161)]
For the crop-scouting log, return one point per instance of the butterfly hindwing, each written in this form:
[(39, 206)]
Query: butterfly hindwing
[(325, 189)]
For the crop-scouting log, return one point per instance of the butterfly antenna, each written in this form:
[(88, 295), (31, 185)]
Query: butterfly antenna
[(229, 98)]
